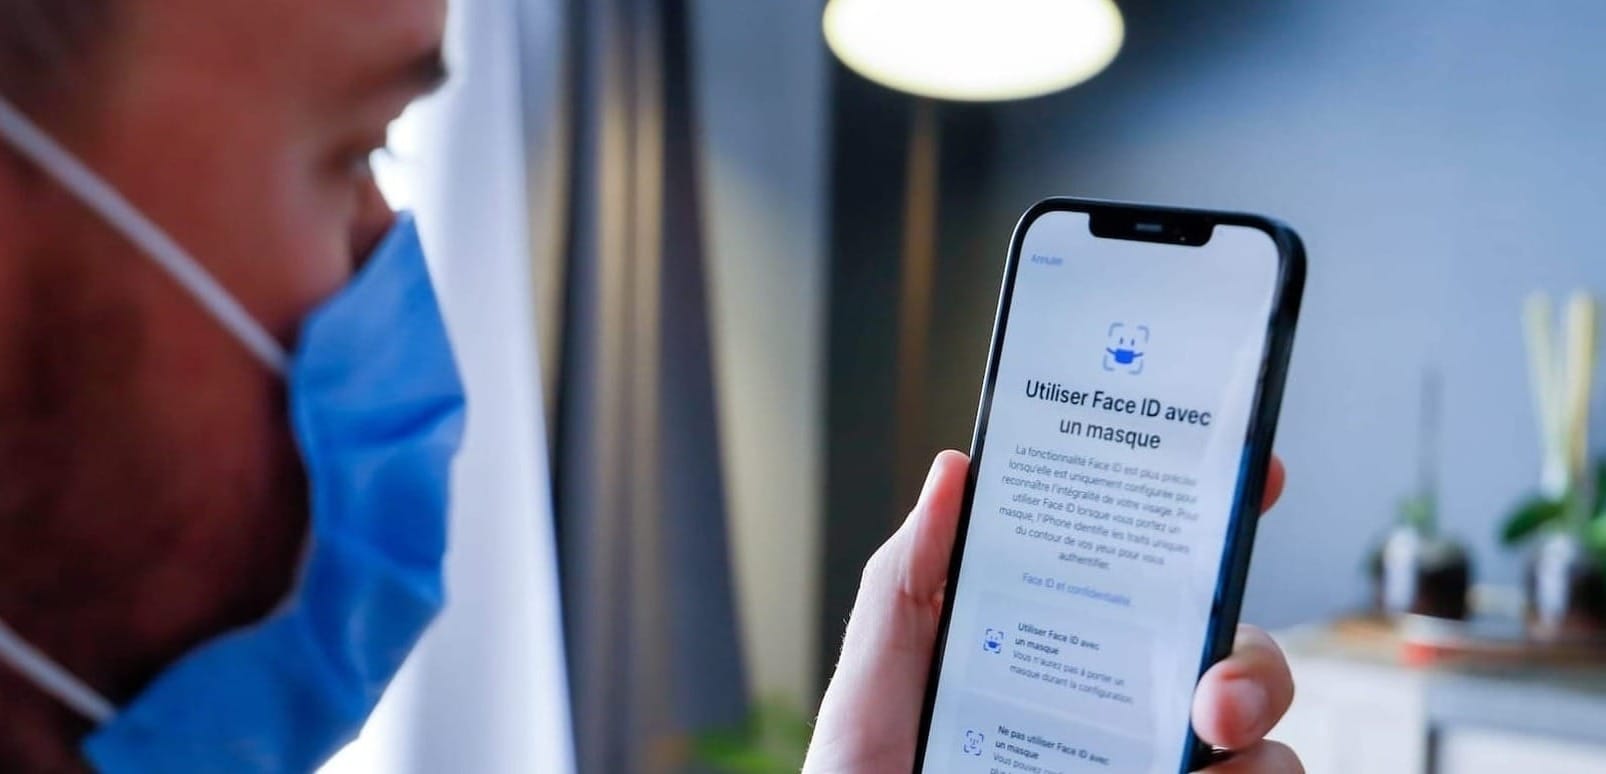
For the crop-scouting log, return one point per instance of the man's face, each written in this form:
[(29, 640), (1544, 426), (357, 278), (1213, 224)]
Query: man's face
[(245, 127), (144, 449)]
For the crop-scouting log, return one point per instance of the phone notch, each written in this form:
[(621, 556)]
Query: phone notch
[(1164, 228)]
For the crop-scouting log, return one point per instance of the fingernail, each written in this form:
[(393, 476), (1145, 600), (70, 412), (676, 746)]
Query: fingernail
[(931, 483), (1249, 703)]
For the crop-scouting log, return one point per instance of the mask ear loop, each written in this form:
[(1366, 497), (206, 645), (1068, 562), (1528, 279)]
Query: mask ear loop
[(51, 678), (37, 147), (98, 195)]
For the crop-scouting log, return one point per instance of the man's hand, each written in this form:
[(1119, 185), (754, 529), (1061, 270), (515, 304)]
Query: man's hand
[(871, 712)]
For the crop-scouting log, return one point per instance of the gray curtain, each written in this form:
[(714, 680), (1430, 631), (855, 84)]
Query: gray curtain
[(649, 611)]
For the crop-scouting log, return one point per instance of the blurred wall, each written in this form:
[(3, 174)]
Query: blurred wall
[(761, 76), (1440, 160)]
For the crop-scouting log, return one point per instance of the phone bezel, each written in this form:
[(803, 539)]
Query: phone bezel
[(1259, 436)]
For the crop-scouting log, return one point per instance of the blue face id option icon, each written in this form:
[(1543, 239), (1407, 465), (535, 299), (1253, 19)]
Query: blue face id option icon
[(1124, 346), (993, 641), (973, 742)]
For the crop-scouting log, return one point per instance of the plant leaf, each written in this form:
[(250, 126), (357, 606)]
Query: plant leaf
[(1600, 487), (772, 739), (1595, 536), (1529, 518), (1419, 511)]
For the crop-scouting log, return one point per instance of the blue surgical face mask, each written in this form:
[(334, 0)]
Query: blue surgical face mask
[(377, 410)]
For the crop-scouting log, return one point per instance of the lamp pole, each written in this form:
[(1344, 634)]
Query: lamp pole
[(917, 270)]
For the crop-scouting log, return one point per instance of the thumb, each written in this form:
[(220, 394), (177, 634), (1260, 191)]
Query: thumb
[(897, 605), (932, 526), (871, 710)]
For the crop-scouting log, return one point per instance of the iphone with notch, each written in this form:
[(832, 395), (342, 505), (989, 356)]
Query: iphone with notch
[(1120, 451)]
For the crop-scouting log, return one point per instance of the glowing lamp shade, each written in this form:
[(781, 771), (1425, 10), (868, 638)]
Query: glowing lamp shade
[(975, 50)]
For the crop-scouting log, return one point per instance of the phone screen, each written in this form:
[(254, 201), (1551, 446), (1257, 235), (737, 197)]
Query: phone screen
[(1110, 458)]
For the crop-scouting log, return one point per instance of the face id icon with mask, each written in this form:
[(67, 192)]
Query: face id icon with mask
[(1124, 346)]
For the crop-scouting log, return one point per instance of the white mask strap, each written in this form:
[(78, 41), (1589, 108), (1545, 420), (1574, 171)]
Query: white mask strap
[(52, 678), (98, 195)]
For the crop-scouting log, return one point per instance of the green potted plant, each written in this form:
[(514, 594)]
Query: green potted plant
[(1566, 577), (1417, 570), (773, 739), (1565, 580)]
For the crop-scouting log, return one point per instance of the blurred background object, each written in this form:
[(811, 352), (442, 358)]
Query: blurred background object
[(946, 49), (1419, 569), (487, 690), (956, 50), (711, 273), (1565, 583)]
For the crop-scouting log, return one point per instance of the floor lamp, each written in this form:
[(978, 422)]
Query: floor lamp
[(961, 50)]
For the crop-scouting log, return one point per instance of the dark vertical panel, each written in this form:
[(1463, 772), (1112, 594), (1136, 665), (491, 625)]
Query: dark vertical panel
[(650, 617), (865, 498), (709, 685), (972, 240), (869, 129), (586, 584)]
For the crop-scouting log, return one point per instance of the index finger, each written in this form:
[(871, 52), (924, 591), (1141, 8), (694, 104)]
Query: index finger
[(1276, 476)]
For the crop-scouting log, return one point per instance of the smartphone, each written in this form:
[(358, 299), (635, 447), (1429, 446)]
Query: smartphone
[(1116, 475)]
